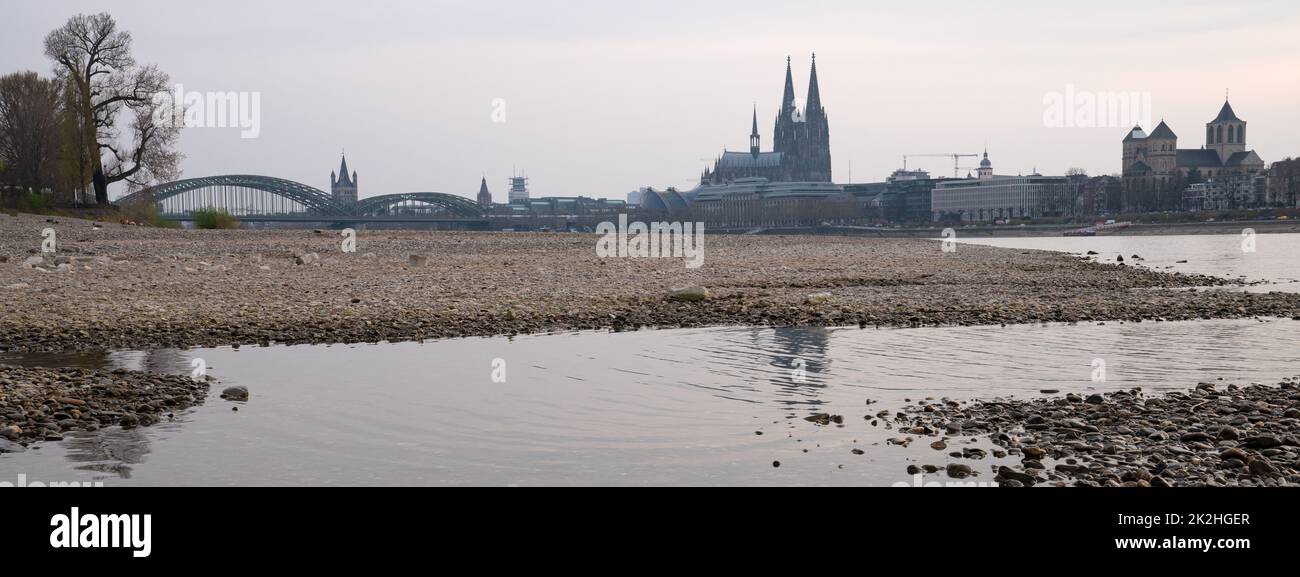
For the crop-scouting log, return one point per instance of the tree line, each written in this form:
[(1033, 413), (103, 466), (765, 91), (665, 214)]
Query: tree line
[(91, 124)]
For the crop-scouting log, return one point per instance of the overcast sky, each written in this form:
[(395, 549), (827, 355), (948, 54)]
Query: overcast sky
[(602, 97)]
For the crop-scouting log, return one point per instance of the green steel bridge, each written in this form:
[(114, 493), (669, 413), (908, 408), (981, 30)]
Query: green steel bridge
[(253, 198)]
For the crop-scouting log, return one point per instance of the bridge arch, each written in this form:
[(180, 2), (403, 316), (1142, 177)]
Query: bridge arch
[(455, 205), (235, 186)]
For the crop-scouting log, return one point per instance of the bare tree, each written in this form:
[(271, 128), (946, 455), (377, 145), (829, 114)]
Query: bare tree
[(95, 60), (29, 129)]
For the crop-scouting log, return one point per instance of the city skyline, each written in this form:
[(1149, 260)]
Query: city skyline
[(648, 98)]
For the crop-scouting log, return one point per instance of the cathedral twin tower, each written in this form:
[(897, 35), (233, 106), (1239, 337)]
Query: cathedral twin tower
[(801, 149)]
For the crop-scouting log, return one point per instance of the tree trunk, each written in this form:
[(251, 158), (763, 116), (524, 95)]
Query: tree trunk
[(101, 186)]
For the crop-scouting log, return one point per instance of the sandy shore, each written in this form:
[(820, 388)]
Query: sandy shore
[(129, 287)]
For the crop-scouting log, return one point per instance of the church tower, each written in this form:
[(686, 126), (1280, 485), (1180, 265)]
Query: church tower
[(785, 137), (754, 139), (986, 167), (1226, 134), (343, 188), (817, 145), (484, 197)]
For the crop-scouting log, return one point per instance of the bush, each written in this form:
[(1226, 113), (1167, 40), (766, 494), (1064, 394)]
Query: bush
[(34, 202), (213, 218)]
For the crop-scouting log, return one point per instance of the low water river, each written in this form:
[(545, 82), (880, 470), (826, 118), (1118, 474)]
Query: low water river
[(650, 407)]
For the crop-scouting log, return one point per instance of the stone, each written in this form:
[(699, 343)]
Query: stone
[(1096, 399), (1261, 466), (307, 259), (418, 260), (959, 471), (689, 294), (817, 298), (1262, 442), (238, 393)]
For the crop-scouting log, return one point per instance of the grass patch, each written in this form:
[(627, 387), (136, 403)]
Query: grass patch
[(214, 218)]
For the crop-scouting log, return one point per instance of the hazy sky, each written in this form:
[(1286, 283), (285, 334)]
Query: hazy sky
[(602, 97)]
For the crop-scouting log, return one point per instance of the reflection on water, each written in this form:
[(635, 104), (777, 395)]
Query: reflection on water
[(651, 407)]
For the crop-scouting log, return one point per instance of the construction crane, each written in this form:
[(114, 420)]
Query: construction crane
[(955, 156)]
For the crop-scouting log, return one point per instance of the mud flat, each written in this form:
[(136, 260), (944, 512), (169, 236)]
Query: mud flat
[(118, 287)]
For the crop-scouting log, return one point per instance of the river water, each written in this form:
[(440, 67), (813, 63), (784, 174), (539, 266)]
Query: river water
[(650, 407)]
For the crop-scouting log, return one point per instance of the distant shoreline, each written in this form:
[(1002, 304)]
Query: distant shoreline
[(1042, 230)]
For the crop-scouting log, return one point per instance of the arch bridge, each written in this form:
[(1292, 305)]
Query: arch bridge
[(268, 199)]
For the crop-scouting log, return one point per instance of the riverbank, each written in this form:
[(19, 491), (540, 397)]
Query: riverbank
[(1213, 435), (38, 404), (111, 286), (1047, 230)]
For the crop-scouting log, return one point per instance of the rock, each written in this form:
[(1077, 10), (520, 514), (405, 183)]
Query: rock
[(1049, 391), (1024, 479), (858, 452), (1262, 442), (1096, 399), (33, 261), (7, 446), (689, 294), (1035, 453), (1196, 437), (1229, 434), (307, 259), (418, 260), (913, 470), (1234, 453), (817, 298), (958, 471), (1261, 466), (939, 445), (17, 286), (238, 393)]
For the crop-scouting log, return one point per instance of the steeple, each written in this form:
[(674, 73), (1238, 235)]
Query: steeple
[(343, 172), (484, 196), (753, 135), (787, 100), (344, 188), (814, 94)]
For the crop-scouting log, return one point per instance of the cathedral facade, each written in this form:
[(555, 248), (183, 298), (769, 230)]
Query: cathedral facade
[(801, 150)]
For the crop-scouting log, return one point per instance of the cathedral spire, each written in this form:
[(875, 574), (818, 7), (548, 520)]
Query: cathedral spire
[(753, 135), (814, 94), (787, 100)]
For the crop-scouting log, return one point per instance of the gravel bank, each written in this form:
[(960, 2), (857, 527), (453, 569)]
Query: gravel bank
[(43, 404), (1209, 436), (121, 287)]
